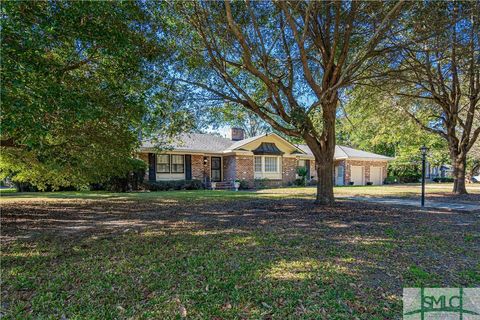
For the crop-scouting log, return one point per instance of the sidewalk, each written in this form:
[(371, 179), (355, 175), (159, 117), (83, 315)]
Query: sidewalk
[(416, 203)]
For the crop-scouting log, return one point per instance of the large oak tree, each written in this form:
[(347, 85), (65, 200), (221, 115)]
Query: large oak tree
[(436, 76), (285, 61)]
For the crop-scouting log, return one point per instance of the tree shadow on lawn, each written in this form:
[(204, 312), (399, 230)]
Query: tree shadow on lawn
[(256, 259)]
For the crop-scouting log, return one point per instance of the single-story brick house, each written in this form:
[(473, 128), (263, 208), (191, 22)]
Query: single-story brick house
[(269, 158)]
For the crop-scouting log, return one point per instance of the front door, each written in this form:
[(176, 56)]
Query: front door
[(216, 170)]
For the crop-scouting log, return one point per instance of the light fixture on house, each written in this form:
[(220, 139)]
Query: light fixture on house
[(205, 161)]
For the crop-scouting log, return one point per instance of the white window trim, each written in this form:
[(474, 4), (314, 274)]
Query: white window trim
[(171, 175), (168, 163), (183, 163), (275, 175)]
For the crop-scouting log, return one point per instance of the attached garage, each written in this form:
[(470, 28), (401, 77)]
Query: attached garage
[(357, 175), (376, 175)]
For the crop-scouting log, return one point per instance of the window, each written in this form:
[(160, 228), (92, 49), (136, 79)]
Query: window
[(271, 164), (302, 164), (177, 163), (163, 163), (258, 164)]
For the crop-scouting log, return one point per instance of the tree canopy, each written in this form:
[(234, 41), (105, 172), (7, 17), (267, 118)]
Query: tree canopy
[(284, 61), (83, 82), (435, 76), (76, 90)]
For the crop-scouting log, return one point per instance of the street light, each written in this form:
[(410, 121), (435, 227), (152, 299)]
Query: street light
[(424, 151)]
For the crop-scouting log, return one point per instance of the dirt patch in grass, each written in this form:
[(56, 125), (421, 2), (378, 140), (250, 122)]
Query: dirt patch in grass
[(260, 258)]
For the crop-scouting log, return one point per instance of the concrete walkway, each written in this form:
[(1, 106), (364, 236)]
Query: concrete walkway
[(470, 207)]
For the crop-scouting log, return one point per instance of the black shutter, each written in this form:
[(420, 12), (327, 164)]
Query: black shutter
[(188, 167), (307, 164), (152, 166)]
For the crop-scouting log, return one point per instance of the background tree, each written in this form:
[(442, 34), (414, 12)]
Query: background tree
[(436, 76), (285, 61), (77, 89), (237, 116), (367, 121), (473, 162)]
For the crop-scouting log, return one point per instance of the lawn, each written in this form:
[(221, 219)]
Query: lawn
[(434, 191), (266, 255)]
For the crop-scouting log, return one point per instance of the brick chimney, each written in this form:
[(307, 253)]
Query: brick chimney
[(238, 134)]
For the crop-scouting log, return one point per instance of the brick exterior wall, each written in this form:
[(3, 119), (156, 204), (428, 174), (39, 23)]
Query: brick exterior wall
[(347, 168), (366, 165), (313, 168), (289, 170), (244, 169), (241, 167), (228, 168), (198, 169)]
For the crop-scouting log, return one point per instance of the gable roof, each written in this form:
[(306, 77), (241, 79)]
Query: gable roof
[(202, 142), (342, 152), (238, 144), (196, 142)]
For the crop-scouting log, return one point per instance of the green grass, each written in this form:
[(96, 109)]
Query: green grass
[(223, 195), (150, 196), (222, 260), (153, 275), (226, 274)]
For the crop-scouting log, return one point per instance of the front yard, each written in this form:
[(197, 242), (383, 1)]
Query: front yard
[(226, 255)]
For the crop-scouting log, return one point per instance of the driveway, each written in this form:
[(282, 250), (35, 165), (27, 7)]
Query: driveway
[(429, 204)]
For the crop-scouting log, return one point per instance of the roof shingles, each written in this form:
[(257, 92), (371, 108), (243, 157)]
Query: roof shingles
[(201, 142)]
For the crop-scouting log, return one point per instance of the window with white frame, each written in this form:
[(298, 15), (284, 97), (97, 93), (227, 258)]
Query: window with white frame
[(271, 164), (268, 167), (178, 163), (163, 163), (258, 164), (302, 163)]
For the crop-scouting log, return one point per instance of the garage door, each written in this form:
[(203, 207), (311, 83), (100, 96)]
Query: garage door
[(357, 175), (376, 175)]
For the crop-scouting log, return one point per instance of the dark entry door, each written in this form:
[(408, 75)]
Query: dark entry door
[(216, 169)]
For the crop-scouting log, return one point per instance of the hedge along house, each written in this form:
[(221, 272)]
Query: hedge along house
[(267, 159)]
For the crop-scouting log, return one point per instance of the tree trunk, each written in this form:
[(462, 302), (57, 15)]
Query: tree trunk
[(459, 170), (325, 181), (323, 148)]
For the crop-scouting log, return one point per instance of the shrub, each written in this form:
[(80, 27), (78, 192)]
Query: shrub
[(25, 187), (409, 178), (260, 183), (174, 185), (130, 181), (351, 183), (444, 179), (369, 183), (28, 187), (300, 182), (243, 185), (302, 172), (391, 180)]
